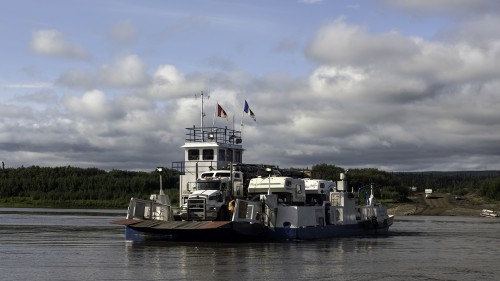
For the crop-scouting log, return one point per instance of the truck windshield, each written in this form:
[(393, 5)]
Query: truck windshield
[(215, 185)]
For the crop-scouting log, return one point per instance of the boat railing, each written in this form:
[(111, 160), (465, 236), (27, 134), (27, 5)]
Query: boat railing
[(213, 134), (368, 212), (147, 209), (336, 215), (179, 166)]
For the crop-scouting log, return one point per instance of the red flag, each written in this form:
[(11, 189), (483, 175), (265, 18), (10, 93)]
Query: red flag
[(221, 112)]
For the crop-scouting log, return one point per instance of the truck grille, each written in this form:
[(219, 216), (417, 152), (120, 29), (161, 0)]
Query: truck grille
[(196, 209)]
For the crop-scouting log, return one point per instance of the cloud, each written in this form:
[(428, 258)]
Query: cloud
[(15, 111), (168, 82), (371, 99), (480, 32), (341, 43), (93, 105), (52, 43), (123, 32), (460, 7), (39, 85), (126, 71)]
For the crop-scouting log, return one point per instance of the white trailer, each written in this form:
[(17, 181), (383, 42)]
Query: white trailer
[(428, 193)]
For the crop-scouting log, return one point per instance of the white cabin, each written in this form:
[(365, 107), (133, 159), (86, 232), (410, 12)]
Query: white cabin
[(207, 149), (288, 189), (317, 186)]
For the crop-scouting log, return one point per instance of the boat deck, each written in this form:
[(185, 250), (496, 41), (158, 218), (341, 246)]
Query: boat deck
[(179, 225)]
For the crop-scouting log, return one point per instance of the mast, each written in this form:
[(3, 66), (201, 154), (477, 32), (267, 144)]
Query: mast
[(202, 112)]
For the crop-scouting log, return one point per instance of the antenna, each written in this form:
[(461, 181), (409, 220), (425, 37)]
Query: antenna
[(202, 112)]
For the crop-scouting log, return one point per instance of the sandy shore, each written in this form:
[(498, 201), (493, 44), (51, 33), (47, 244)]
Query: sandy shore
[(441, 205)]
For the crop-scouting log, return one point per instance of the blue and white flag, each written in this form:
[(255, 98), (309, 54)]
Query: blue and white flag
[(248, 111)]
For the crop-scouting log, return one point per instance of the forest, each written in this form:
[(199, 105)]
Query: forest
[(397, 185), (72, 187)]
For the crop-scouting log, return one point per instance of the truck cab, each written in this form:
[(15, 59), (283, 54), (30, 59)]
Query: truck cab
[(212, 193)]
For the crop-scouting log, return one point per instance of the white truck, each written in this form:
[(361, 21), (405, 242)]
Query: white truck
[(428, 193), (209, 200)]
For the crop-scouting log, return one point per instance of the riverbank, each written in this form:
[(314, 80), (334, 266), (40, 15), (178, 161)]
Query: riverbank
[(438, 205), (28, 202), (441, 205)]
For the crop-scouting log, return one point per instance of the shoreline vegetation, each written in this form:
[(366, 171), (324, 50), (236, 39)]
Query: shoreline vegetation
[(463, 193), (417, 205)]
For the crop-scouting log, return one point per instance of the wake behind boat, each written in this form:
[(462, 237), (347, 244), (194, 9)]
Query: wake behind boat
[(222, 199)]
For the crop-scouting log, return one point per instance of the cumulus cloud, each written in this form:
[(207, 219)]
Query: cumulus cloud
[(52, 43), (372, 99), (480, 32), (341, 43), (93, 105), (391, 95), (126, 71), (168, 82), (15, 111)]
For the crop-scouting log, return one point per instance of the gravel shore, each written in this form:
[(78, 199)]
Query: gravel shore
[(441, 205)]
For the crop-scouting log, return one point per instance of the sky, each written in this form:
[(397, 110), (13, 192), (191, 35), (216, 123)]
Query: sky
[(395, 85)]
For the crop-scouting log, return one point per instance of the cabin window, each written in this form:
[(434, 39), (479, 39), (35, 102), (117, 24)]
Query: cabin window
[(322, 185), (222, 154), (237, 156), (298, 188), (288, 183), (208, 185), (208, 154), (207, 175), (193, 154)]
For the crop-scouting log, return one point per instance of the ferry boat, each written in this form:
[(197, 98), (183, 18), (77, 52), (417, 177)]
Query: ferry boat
[(222, 199)]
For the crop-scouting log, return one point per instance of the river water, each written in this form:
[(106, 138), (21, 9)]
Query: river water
[(50, 245)]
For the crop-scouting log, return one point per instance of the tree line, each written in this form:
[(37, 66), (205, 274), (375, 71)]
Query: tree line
[(91, 187), (399, 184), (80, 187), (386, 185), (483, 183)]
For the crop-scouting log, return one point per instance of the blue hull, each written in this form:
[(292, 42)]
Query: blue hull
[(244, 232)]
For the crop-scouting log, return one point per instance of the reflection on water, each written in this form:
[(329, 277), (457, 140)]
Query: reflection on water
[(68, 245)]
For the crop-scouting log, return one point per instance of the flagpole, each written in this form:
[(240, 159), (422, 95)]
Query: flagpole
[(215, 112), (241, 125)]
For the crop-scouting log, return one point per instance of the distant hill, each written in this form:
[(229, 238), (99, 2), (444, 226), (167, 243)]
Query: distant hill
[(487, 173)]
